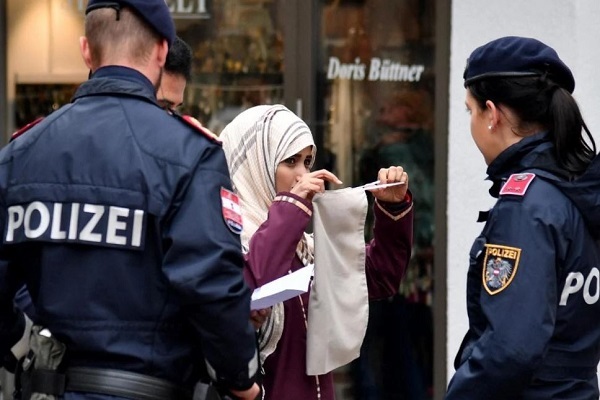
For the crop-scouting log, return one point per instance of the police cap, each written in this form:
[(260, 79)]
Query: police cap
[(155, 12), (513, 56)]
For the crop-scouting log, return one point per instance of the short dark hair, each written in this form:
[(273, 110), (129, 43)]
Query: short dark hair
[(179, 59), (129, 35)]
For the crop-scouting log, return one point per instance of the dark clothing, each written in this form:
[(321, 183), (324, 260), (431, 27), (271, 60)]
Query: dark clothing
[(272, 254), (533, 284), (112, 215), (23, 303)]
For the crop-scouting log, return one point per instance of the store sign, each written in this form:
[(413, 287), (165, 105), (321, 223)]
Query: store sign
[(180, 9), (188, 9), (378, 69)]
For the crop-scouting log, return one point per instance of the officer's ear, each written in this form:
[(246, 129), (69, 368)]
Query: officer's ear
[(161, 54), (84, 48), (493, 113)]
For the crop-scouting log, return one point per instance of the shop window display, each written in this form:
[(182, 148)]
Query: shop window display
[(35, 100), (238, 59), (376, 83), (375, 108)]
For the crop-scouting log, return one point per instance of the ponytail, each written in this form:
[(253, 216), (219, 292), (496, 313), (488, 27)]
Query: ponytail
[(573, 152)]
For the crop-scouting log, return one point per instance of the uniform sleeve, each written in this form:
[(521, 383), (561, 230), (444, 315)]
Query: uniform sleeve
[(273, 246), (204, 264), (389, 252), (519, 310)]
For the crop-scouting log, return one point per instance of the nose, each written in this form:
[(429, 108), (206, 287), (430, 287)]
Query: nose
[(300, 171)]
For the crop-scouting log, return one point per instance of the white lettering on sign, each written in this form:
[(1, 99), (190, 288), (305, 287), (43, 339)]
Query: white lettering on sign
[(378, 70), (576, 281), (188, 8), (180, 9), (337, 70)]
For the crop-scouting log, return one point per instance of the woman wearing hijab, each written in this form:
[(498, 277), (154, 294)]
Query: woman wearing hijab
[(270, 153)]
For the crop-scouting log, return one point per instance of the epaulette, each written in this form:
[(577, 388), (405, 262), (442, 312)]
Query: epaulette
[(194, 123), (25, 128), (517, 184)]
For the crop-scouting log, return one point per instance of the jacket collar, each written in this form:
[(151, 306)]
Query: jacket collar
[(117, 80), (534, 153)]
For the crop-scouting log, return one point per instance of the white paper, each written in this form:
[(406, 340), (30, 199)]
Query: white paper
[(377, 185), (282, 289)]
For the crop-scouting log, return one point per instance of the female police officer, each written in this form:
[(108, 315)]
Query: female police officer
[(533, 281)]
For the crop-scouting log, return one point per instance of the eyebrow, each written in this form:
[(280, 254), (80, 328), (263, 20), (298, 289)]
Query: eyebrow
[(169, 103)]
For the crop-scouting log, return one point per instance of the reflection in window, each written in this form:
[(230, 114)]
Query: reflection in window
[(238, 59), (35, 100), (376, 83)]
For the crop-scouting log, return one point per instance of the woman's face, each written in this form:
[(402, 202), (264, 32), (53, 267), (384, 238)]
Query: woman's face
[(289, 170), (480, 131)]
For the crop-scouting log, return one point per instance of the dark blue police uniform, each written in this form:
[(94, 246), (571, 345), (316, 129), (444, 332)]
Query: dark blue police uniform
[(112, 214), (533, 284)]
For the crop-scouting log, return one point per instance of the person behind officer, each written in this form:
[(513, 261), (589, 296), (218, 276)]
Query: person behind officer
[(176, 74), (120, 219), (533, 280)]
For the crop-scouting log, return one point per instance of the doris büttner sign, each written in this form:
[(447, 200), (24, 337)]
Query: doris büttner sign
[(377, 69)]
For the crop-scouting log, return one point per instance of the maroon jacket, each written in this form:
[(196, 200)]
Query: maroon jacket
[(272, 254)]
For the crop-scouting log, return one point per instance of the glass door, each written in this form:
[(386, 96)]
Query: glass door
[(374, 108), (238, 56), (361, 74)]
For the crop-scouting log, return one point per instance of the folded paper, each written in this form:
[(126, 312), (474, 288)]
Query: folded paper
[(282, 289)]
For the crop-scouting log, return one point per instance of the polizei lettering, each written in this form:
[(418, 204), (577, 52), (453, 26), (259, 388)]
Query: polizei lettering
[(589, 285), (502, 252), (75, 222)]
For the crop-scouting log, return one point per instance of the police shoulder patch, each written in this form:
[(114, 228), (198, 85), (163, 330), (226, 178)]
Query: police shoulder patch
[(500, 265), (517, 184), (232, 211), (25, 128), (194, 123)]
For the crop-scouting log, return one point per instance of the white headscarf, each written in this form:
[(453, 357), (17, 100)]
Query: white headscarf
[(255, 142)]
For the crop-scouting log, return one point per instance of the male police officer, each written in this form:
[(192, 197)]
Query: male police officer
[(120, 219)]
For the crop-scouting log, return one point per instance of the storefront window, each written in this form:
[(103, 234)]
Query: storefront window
[(238, 57), (35, 100), (376, 89)]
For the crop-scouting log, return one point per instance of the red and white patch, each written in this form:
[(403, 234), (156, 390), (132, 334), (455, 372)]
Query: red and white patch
[(194, 123), (25, 128), (232, 211), (517, 184)]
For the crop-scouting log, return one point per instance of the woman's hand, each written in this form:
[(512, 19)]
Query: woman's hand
[(258, 317), (392, 194), (311, 183)]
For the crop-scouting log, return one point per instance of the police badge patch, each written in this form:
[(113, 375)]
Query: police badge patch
[(499, 267), (232, 211)]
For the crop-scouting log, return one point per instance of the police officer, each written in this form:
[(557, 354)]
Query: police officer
[(120, 219), (533, 281)]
